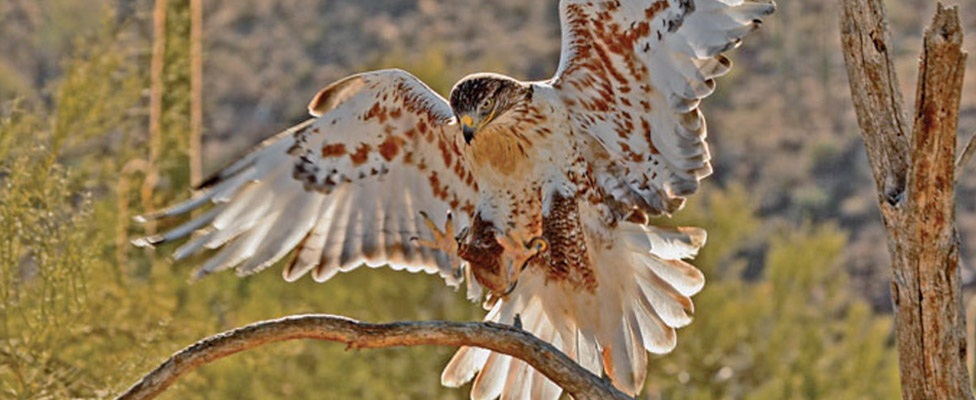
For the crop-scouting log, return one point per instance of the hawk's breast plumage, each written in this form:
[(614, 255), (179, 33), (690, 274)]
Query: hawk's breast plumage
[(537, 193)]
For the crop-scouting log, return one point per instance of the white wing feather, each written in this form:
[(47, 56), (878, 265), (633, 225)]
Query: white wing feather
[(345, 188)]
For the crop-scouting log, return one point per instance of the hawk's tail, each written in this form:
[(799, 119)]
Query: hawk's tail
[(642, 296)]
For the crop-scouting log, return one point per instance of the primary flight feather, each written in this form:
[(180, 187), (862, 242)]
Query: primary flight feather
[(536, 195)]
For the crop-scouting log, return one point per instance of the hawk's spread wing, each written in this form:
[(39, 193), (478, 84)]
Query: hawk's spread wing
[(633, 73), (345, 188)]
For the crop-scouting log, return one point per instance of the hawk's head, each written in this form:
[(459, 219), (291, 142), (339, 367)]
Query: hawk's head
[(479, 99)]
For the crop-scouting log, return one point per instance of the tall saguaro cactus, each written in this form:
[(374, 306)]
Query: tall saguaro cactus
[(156, 88), (196, 90)]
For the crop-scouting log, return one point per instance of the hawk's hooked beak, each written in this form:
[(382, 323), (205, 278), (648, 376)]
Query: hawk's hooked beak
[(468, 128)]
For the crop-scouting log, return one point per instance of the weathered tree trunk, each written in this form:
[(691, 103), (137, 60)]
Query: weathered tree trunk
[(915, 169)]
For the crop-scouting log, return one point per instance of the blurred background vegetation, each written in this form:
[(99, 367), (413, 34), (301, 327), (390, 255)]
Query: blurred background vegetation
[(797, 301)]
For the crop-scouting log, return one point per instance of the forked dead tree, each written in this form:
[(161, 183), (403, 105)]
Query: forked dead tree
[(915, 167)]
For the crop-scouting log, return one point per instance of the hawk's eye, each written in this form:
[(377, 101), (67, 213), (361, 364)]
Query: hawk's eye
[(486, 106)]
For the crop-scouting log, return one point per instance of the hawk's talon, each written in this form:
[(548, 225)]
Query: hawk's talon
[(521, 251), (511, 288), (462, 236), (538, 244), (444, 240), (517, 254)]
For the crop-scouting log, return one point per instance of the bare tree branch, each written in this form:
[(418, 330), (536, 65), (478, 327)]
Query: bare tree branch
[(967, 155), (562, 370), (916, 184)]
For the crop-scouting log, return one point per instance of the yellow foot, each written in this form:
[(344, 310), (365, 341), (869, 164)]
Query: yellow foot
[(518, 253), (444, 240)]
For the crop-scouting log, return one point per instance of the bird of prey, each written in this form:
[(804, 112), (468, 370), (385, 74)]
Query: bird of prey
[(535, 195)]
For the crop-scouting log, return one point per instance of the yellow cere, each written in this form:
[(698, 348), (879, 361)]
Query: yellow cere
[(467, 121)]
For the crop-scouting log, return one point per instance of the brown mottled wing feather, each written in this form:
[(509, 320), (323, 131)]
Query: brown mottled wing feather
[(344, 188), (633, 73)]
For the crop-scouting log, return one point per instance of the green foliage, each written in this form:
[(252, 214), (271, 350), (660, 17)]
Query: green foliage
[(50, 244), (43, 262)]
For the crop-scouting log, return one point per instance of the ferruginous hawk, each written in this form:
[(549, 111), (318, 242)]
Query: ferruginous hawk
[(535, 194)]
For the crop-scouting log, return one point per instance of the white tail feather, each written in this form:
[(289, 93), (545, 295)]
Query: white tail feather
[(490, 383), (634, 309), (462, 366)]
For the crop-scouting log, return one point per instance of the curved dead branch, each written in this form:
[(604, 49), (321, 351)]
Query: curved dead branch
[(967, 154), (562, 370)]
